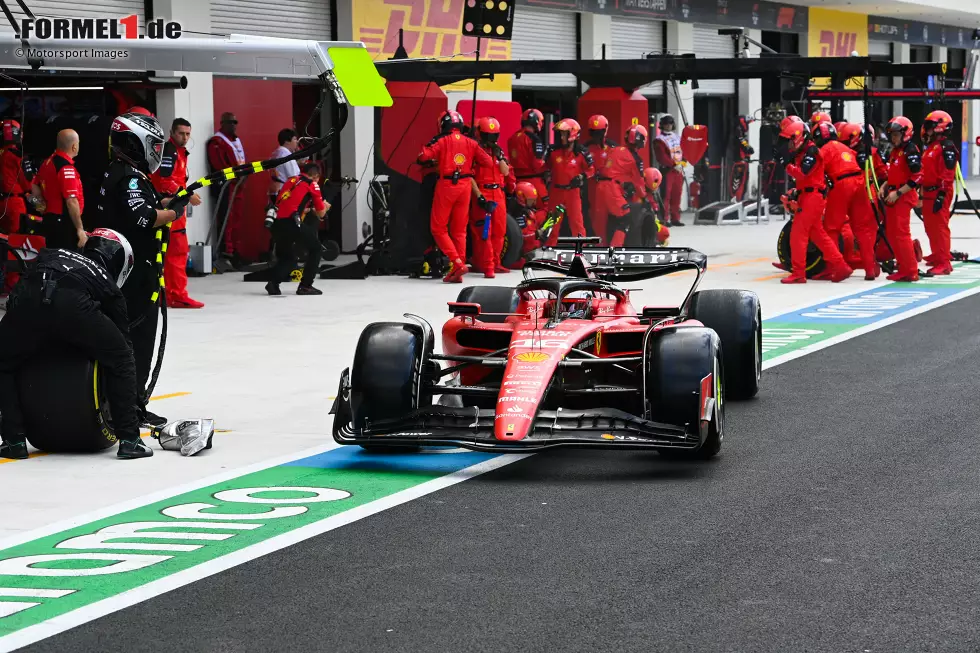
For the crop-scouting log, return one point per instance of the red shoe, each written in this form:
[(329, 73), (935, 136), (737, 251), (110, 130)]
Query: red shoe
[(822, 276), (186, 302), (898, 276), (941, 269), (840, 273), (489, 274), (873, 274), (502, 270), (793, 278), (456, 271), (930, 259), (779, 266)]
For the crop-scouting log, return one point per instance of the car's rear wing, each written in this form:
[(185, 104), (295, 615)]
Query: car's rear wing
[(621, 264)]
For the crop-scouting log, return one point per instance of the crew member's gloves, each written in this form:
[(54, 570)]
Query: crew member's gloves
[(937, 206), (482, 202), (793, 170), (179, 203)]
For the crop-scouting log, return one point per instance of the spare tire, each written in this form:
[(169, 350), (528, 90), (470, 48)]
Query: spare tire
[(814, 257), (513, 243), (64, 404)]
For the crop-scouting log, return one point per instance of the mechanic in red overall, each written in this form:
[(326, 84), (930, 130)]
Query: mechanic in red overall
[(653, 179), (169, 178), (900, 196), (619, 180), (938, 180), (489, 199), (225, 150), (57, 181), (455, 156), (847, 199), (569, 165), (818, 117), (805, 165), (527, 150), (670, 159), (14, 185), (297, 197), (531, 218), (599, 147)]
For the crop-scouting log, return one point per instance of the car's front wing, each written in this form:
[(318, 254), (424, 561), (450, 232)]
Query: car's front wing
[(472, 428)]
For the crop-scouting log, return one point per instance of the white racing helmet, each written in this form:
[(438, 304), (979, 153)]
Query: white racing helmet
[(112, 251), (138, 139)]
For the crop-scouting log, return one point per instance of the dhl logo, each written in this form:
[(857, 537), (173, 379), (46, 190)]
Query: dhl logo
[(837, 44)]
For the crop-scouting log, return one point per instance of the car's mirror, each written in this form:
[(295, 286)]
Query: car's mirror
[(464, 308)]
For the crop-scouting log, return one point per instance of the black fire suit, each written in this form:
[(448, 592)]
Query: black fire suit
[(128, 204), (68, 298)]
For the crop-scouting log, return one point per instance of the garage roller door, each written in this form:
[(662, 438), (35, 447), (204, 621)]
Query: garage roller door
[(634, 38), (88, 9), (540, 34), (880, 49), (708, 43), (297, 19)]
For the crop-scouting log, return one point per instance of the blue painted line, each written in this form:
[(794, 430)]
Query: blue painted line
[(869, 306), (350, 457)]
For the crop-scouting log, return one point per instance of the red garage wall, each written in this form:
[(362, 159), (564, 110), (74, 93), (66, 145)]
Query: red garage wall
[(262, 107)]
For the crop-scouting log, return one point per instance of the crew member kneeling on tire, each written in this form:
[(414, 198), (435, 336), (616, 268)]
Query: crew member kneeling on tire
[(899, 193), (129, 204), (804, 163), (73, 299), (293, 226)]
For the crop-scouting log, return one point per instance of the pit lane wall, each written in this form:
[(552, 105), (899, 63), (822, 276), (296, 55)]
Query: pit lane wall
[(66, 574)]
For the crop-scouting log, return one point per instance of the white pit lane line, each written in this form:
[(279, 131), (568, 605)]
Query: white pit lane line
[(143, 593)]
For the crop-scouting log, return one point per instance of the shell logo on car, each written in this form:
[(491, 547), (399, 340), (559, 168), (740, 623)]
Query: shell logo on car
[(532, 357)]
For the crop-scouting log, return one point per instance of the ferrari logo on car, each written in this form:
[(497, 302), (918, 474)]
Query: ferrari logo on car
[(532, 357)]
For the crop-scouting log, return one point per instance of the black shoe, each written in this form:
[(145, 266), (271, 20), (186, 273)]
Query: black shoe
[(149, 420), (308, 290), (273, 288), (13, 450), (676, 223), (130, 449)]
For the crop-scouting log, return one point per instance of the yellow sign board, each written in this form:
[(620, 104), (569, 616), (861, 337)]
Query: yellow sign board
[(836, 34), (432, 28)]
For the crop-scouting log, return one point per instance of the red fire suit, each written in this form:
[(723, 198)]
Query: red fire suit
[(938, 179), (491, 182), (222, 155), (904, 167), (527, 160), (455, 156), (566, 165), (530, 221), (808, 171), (170, 177), (620, 170), (849, 199), (667, 150), (599, 152), (13, 187)]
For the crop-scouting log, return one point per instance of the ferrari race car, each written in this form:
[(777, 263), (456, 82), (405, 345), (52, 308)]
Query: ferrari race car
[(562, 359)]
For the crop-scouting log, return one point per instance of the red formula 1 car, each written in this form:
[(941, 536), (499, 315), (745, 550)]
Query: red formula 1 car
[(563, 359)]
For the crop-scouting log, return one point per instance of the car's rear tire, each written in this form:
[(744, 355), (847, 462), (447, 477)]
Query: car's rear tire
[(676, 361), (736, 316), (64, 404), (387, 379), (492, 299)]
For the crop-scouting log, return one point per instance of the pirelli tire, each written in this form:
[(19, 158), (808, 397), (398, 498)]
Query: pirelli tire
[(736, 316), (63, 400), (492, 299), (678, 363), (387, 378), (814, 257), (513, 243)]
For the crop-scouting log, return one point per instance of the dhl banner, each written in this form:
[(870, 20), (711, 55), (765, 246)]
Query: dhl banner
[(433, 28), (836, 34)]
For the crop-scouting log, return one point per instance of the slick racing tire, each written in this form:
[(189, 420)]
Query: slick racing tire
[(492, 299), (736, 316), (387, 376), (676, 361), (814, 257), (513, 243), (65, 409)]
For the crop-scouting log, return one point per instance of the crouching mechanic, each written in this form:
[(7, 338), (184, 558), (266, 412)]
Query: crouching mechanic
[(297, 196), (129, 204), (75, 300)]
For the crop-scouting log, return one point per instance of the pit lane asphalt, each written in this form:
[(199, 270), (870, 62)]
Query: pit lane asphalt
[(842, 515)]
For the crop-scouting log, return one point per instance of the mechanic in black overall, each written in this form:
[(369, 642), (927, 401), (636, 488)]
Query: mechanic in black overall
[(73, 299), (129, 204)]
